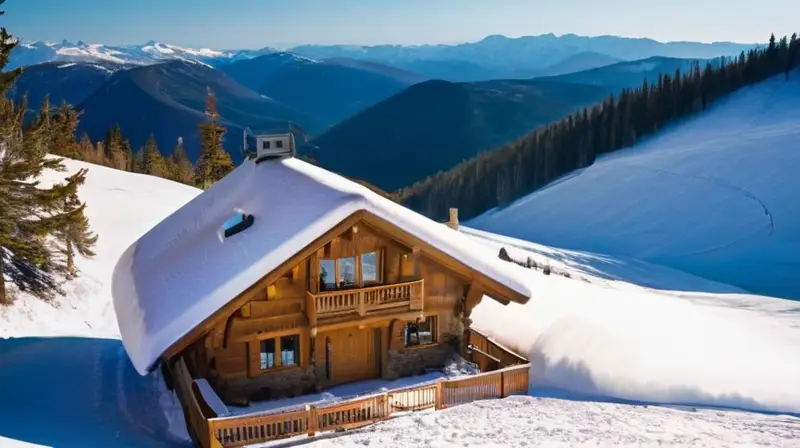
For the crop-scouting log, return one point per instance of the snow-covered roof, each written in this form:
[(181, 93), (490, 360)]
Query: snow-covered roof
[(182, 271)]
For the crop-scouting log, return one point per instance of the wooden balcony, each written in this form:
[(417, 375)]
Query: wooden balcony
[(362, 301)]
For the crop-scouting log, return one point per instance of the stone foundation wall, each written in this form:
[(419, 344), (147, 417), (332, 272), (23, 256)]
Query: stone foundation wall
[(407, 362), (269, 386)]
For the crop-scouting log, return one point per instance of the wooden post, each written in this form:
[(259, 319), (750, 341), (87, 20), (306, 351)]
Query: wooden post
[(502, 384), (311, 414), (361, 307), (439, 396)]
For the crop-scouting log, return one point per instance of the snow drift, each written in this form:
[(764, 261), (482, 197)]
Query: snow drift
[(715, 196)]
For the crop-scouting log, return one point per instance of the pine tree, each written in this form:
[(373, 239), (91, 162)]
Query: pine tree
[(65, 123), (793, 55), (181, 168), (214, 162), (28, 211), (118, 150), (74, 235), (152, 161)]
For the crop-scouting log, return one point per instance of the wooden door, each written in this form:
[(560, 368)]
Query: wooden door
[(352, 355)]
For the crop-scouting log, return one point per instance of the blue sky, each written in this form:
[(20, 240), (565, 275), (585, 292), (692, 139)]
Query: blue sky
[(258, 23)]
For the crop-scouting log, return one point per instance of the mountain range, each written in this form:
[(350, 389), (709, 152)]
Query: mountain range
[(364, 115), (494, 57)]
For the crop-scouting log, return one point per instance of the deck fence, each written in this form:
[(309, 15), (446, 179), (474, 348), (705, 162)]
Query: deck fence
[(210, 431)]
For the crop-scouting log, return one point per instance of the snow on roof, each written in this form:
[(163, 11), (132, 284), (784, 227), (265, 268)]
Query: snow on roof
[(182, 271)]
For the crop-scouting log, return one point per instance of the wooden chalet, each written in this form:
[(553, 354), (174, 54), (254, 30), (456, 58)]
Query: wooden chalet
[(284, 278)]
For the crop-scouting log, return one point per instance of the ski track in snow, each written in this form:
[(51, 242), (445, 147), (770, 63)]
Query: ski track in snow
[(713, 195)]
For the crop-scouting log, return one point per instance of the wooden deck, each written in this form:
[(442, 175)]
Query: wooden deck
[(210, 431)]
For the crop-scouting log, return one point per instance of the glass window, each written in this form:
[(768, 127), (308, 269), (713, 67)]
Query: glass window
[(290, 350), (347, 272), (265, 144), (267, 354), (421, 332), (327, 275), (279, 143), (369, 267)]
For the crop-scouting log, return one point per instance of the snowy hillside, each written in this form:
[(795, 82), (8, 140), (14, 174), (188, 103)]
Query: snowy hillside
[(121, 206), (716, 196), (594, 335)]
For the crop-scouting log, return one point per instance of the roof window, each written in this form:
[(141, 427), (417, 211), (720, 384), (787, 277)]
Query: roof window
[(236, 224)]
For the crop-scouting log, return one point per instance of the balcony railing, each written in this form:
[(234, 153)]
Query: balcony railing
[(368, 299)]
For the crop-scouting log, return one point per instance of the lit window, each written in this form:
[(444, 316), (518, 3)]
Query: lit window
[(421, 332), (267, 354)]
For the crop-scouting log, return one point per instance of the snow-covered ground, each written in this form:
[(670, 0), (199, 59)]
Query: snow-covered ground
[(716, 196), (65, 380), (546, 422)]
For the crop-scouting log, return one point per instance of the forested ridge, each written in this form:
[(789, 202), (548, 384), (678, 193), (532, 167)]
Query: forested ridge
[(498, 177)]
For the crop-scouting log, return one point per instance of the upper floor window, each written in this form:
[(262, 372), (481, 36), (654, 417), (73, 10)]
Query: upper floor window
[(279, 143), (350, 272), (265, 144)]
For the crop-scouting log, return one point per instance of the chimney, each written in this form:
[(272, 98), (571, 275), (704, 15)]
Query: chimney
[(453, 222)]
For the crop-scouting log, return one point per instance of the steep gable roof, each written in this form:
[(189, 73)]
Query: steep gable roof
[(183, 270)]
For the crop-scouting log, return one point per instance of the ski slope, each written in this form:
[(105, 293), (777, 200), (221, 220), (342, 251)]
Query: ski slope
[(66, 381), (716, 196)]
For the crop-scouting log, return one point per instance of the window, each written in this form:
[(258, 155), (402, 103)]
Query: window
[(290, 350), (267, 354), (341, 273), (327, 275), (236, 224), (347, 272), (265, 144), (421, 332), (287, 346), (369, 267), (279, 143)]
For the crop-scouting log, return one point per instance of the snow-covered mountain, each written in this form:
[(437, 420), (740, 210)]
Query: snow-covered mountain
[(614, 330), (716, 196), (30, 53)]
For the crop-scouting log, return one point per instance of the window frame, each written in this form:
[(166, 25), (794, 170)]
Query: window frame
[(434, 324), (277, 355), (358, 265)]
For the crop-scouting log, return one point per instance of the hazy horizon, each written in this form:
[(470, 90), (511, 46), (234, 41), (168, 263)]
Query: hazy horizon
[(286, 45), (255, 24)]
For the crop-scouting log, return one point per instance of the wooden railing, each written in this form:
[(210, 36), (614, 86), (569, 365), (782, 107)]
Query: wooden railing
[(371, 298), (230, 432), (489, 350), (196, 421)]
